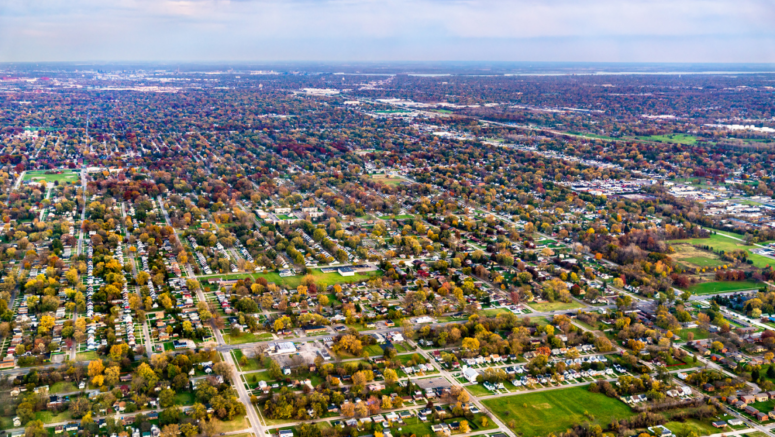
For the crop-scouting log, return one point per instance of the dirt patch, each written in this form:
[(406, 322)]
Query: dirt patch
[(544, 406)]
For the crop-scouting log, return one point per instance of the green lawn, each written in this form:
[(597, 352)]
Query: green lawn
[(699, 334), (722, 286), (294, 281), (247, 337), (236, 424), (184, 398), (388, 180), (396, 217), (49, 417), (252, 364), (697, 426), (38, 175), (86, 356), (62, 387), (554, 306), (493, 312), (727, 244), (554, 411), (671, 138)]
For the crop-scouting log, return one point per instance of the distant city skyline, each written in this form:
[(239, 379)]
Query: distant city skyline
[(717, 31)]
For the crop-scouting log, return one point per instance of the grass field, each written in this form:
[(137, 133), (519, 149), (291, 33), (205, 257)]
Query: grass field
[(49, 417), (671, 138), (720, 242), (86, 356), (247, 337), (62, 387), (396, 217), (184, 398), (38, 175), (388, 180), (554, 411), (687, 254), (722, 287), (699, 334), (250, 366), (554, 306), (294, 281), (236, 424)]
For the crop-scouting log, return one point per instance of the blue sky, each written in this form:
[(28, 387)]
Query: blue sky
[(388, 30)]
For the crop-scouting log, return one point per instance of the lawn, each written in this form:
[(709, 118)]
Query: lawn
[(321, 278), (184, 398), (699, 334), (727, 244), (396, 217), (62, 387), (86, 356), (252, 364), (493, 312), (388, 180), (693, 425), (671, 138), (49, 417), (247, 337), (38, 175), (722, 286), (236, 424), (554, 306), (554, 411)]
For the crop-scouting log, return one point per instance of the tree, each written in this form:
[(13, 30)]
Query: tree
[(470, 344), (464, 428), (391, 377), (35, 429), (87, 419), (172, 430), (112, 374), (188, 430), (166, 398), (96, 368)]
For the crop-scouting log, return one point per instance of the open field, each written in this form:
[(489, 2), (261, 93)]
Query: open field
[(554, 306), (294, 281), (671, 138), (687, 254), (38, 175), (720, 242), (699, 334), (236, 424), (556, 410), (722, 287), (388, 180), (86, 356)]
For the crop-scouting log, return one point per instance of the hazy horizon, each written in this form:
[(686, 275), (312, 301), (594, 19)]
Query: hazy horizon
[(607, 31)]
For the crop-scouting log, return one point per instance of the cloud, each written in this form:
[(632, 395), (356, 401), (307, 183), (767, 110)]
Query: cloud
[(601, 30)]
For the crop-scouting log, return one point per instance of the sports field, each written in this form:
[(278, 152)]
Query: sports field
[(722, 287), (388, 180), (553, 411), (65, 176)]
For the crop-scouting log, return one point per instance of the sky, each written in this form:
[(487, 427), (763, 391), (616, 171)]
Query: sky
[(687, 31)]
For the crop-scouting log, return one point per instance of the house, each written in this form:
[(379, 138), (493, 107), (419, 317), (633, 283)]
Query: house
[(470, 375), (719, 424), (17, 421)]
